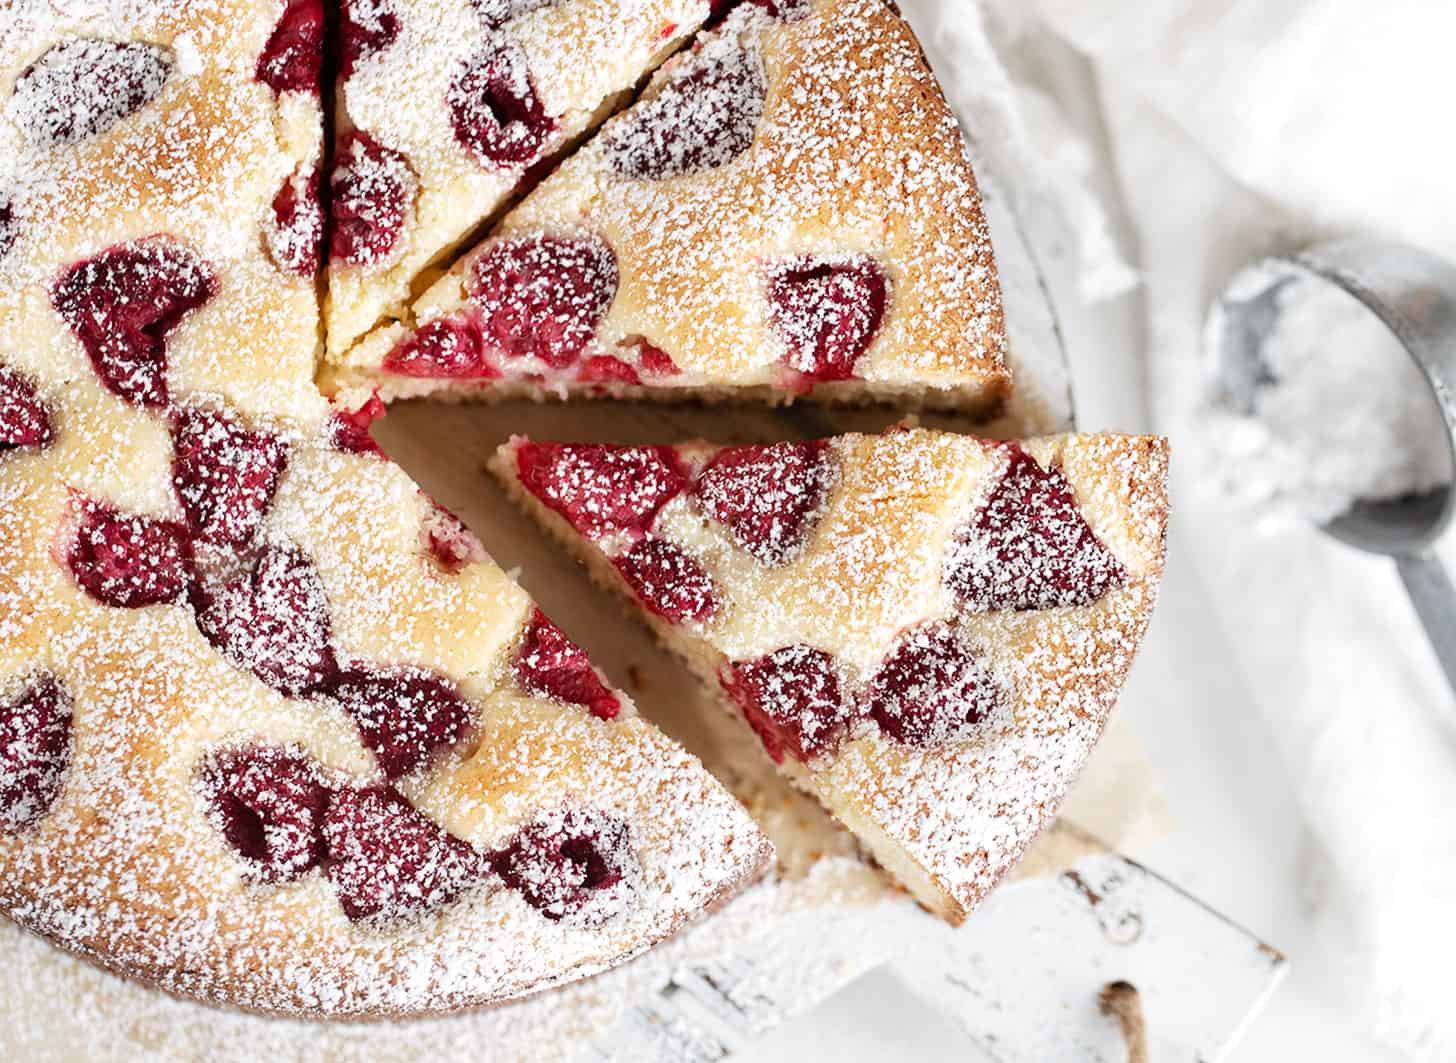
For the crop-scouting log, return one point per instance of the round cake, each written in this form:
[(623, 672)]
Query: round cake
[(274, 731)]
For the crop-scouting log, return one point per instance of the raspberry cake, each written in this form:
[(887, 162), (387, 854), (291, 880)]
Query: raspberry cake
[(788, 210), (273, 731), (925, 630), (445, 106)]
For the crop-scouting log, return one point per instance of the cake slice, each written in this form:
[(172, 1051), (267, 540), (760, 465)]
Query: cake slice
[(274, 732), (926, 630), (445, 106), (788, 210)]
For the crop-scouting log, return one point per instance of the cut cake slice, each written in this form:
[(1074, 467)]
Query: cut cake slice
[(926, 630)]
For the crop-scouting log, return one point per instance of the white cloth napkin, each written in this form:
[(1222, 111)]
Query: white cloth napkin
[(1241, 127)]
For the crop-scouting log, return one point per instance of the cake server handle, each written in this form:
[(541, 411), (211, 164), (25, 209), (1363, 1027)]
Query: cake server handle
[(1429, 586)]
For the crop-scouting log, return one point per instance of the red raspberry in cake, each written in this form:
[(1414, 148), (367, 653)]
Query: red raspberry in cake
[(404, 715), (1029, 546), (792, 699), (827, 311), (24, 419), (543, 296), (702, 119), (495, 111), (768, 496), (7, 227), (295, 237), (273, 621), (550, 664), (785, 9), (600, 488), (373, 187), (269, 804), (605, 369), (449, 541), (224, 474), (129, 561), (122, 305), (294, 54), (930, 687), (365, 27), (82, 87), (35, 748), (387, 860), (349, 430), (495, 13), (668, 581), (576, 864), (654, 360), (446, 347)]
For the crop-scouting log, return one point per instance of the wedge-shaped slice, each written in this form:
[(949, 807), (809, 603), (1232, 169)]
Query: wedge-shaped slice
[(445, 105), (273, 731), (787, 210), (926, 630)]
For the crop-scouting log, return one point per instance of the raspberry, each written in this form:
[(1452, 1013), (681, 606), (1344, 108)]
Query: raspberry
[(702, 119), (373, 187), (24, 419), (447, 347), (550, 664), (387, 860), (403, 715), (601, 488), (768, 496), (827, 312), (295, 239), (566, 864), (123, 303), (792, 700), (273, 622), (365, 27), (129, 561), (654, 360), (224, 474), (931, 687), (7, 227), (349, 431), (449, 541), (494, 109), (668, 581), (781, 9), (294, 54), (35, 748), (604, 369), (269, 804), (82, 87), (543, 296), (495, 13), (1029, 546)]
